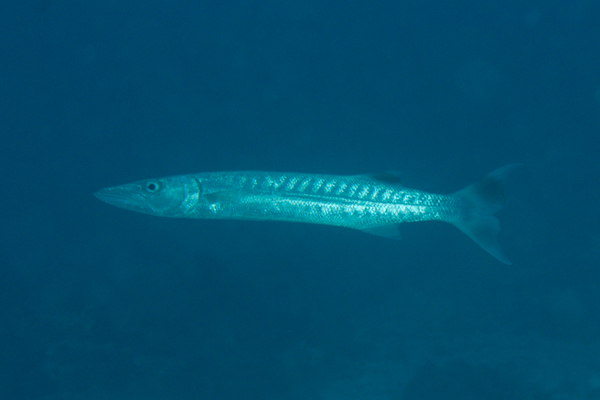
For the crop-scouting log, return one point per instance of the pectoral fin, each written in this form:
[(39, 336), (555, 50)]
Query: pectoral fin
[(224, 196)]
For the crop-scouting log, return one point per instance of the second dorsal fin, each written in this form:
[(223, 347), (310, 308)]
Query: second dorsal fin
[(390, 177)]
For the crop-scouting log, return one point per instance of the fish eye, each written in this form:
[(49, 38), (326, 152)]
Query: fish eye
[(152, 186)]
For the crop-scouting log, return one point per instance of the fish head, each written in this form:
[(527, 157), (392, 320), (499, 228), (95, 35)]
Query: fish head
[(167, 197)]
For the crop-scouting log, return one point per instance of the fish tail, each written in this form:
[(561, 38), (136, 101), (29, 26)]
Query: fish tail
[(478, 204)]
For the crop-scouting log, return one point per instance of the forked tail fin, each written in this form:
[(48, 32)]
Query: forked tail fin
[(478, 204)]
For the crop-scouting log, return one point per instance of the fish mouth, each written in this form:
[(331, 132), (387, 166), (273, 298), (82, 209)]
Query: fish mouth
[(122, 197)]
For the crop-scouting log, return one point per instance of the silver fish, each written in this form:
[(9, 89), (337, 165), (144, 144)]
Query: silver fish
[(374, 203)]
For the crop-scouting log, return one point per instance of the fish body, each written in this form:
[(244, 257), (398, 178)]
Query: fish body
[(375, 203)]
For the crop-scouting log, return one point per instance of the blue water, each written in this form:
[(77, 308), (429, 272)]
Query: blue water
[(101, 303)]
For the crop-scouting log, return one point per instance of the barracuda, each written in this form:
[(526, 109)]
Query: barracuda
[(375, 203)]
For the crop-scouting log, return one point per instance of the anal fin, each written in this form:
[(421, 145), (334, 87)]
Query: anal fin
[(390, 231)]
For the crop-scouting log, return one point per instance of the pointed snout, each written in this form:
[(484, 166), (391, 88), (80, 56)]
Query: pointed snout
[(123, 197)]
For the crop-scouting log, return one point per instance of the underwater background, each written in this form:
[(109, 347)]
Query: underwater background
[(101, 303)]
